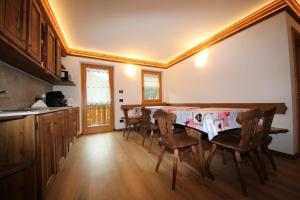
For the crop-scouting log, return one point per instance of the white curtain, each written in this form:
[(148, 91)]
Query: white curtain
[(98, 88), (151, 86)]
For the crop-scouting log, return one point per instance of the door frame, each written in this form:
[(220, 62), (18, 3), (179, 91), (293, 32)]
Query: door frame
[(295, 80), (85, 129)]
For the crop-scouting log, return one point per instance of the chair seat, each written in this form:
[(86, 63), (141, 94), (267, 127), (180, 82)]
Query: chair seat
[(150, 126), (231, 141), (134, 120), (181, 141), (236, 133)]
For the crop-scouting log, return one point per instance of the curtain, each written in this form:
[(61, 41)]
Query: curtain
[(151, 86), (98, 88)]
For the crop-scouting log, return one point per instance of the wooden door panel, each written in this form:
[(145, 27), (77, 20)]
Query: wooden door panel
[(58, 58), (2, 15), (49, 162), (35, 32), (14, 22), (17, 144), (46, 150), (60, 137), (51, 50)]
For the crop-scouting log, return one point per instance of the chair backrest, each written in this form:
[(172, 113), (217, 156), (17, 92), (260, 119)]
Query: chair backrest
[(125, 111), (165, 123), (249, 121), (146, 116), (267, 117)]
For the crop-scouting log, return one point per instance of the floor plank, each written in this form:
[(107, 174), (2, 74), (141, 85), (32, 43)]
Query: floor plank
[(105, 166)]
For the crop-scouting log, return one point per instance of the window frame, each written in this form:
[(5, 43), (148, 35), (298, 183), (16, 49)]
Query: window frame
[(159, 100)]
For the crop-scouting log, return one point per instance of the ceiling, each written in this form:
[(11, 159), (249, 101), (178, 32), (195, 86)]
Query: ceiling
[(156, 30)]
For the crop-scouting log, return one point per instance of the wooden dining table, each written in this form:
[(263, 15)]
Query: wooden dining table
[(199, 121)]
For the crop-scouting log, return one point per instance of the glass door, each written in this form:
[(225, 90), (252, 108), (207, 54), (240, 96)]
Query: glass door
[(97, 99)]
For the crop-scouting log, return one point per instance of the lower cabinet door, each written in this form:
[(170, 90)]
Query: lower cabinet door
[(47, 157)]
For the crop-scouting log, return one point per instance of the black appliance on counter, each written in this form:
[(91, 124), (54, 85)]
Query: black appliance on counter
[(55, 99)]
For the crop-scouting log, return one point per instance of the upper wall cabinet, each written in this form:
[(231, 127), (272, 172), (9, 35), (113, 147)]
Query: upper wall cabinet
[(51, 50), (58, 59), (13, 21), (35, 32), (28, 40)]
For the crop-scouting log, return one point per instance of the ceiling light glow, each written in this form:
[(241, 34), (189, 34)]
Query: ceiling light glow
[(130, 70), (201, 58)]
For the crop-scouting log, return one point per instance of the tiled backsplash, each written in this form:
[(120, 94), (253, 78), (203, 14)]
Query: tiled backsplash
[(22, 88)]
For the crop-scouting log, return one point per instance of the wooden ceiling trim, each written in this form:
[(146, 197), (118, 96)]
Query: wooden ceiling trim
[(54, 22), (114, 58), (231, 30), (294, 6), (246, 22)]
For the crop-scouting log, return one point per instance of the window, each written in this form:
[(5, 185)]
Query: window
[(151, 86)]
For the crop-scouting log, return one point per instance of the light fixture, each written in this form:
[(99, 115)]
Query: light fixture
[(130, 70), (201, 58)]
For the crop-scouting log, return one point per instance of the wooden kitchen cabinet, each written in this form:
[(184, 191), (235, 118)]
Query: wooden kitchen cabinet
[(35, 32), (17, 159), (51, 50), (73, 123), (2, 15), (28, 40), (60, 130), (55, 131), (32, 151), (46, 150), (58, 58), (14, 21)]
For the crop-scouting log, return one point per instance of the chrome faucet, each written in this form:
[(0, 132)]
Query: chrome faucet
[(3, 91)]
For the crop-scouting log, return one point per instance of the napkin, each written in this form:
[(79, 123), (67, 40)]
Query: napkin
[(39, 104)]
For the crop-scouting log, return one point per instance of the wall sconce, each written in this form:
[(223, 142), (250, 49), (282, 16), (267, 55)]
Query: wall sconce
[(130, 70), (201, 58)]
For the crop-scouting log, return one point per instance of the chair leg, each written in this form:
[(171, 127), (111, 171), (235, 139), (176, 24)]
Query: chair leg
[(180, 155), (176, 156), (161, 154), (126, 127), (270, 157), (151, 140), (144, 135), (209, 159), (237, 159), (195, 151), (262, 163), (225, 154), (128, 132), (256, 168)]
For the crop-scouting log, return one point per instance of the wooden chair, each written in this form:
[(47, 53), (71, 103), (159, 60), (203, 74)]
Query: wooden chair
[(266, 139), (147, 127), (177, 143), (245, 145), (130, 122)]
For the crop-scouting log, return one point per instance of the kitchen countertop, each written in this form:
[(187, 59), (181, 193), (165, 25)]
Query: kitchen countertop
[(25, 112)]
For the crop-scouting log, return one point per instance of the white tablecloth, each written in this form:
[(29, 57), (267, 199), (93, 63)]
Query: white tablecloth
[(208, 120)]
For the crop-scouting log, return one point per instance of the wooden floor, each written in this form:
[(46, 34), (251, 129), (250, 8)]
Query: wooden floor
[(105, 166)]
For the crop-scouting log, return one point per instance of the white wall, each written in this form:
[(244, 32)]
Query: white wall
[(293, 24), (132, 86), (252, 66)]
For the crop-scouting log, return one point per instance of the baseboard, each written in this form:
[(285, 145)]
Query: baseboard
[(285, 155)]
